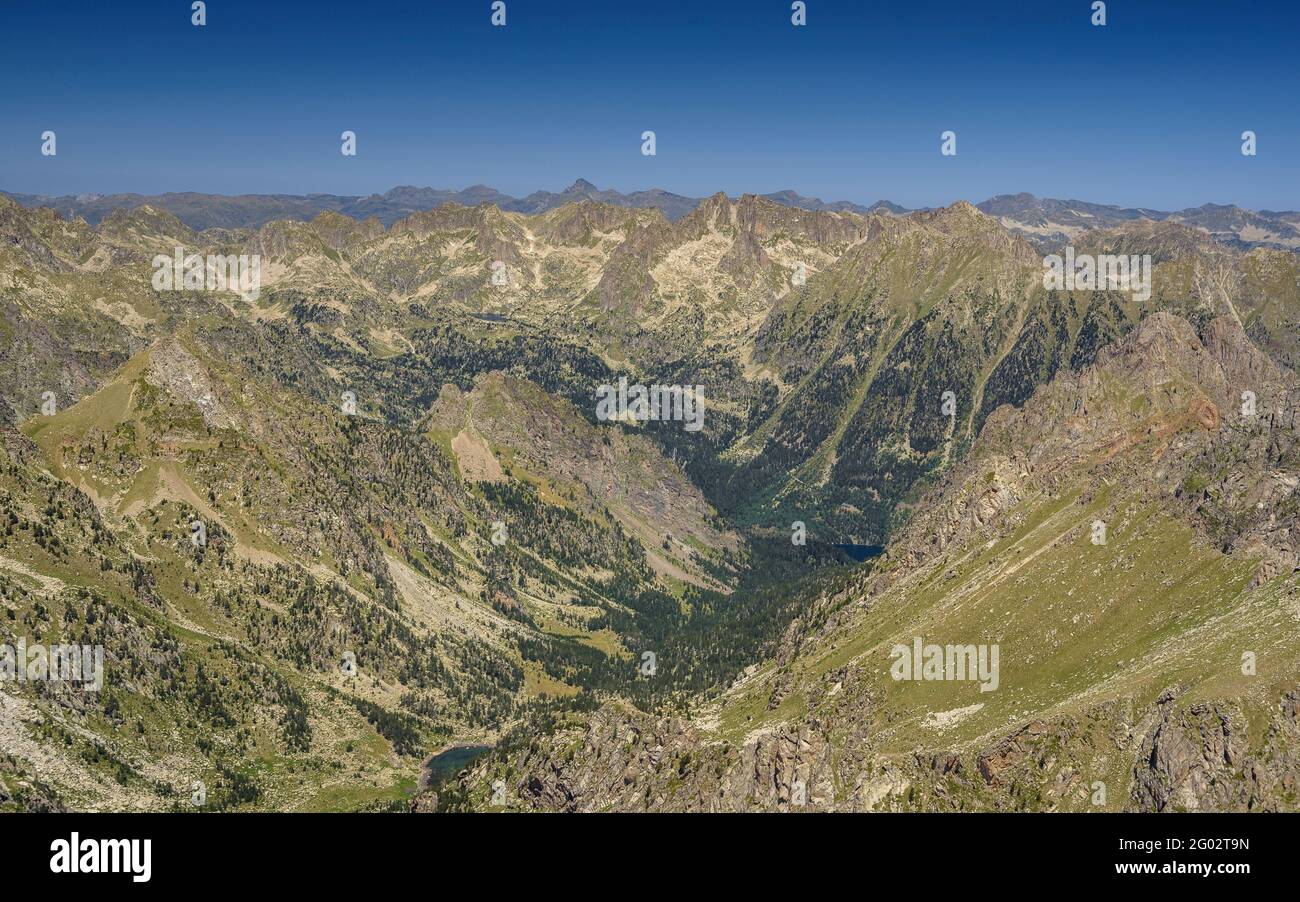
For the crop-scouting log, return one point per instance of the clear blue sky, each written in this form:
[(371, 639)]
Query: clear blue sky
[(1146, 111)]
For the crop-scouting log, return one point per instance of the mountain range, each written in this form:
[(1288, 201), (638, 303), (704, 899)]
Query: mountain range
[(1045, 222), (331, 530)]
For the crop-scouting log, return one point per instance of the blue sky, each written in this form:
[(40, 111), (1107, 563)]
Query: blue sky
[(1146, 111)]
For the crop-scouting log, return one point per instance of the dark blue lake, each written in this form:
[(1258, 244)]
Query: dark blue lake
[(861, 553)]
